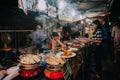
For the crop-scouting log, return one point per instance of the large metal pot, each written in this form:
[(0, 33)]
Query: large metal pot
[(29, 66), (53, 71), (53, 67)]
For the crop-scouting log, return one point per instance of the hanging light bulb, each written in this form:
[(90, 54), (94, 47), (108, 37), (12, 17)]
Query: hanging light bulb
[(82, 22)]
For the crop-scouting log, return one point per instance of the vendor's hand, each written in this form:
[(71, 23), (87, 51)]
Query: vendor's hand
[(90, 41), (65, 48)]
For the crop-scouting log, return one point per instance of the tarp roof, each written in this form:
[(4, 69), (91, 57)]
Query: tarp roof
[(10, 14)]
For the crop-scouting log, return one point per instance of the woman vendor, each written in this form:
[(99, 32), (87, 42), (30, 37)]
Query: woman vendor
[(55, 42)]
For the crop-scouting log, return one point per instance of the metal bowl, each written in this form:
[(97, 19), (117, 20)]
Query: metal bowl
[(53, 67), (30, 66)]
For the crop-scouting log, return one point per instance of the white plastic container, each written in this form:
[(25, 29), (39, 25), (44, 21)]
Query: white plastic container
[(12, 69)]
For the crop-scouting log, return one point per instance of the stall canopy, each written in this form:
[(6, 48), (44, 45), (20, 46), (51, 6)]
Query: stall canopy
[(80, 9), (12, 14), (69, 10)]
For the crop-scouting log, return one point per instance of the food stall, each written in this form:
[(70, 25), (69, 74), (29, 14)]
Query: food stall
[(61, 65), (64, 64)]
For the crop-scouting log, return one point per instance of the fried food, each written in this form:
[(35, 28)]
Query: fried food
[(66, 53), (65, 48)]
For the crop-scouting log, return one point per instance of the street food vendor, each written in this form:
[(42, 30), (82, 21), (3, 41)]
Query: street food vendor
[(55, 42)]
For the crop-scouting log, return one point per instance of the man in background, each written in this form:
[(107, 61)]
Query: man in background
[(38, 36)]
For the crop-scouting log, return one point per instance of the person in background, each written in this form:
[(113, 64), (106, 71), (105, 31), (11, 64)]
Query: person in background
[(38, 36), (55, 42), (58, 29), (66, 33), (97, 48), (90, 33), (87, 30), (113, 28), (115, 36), (75, 32), (113, 31), (107, 44)]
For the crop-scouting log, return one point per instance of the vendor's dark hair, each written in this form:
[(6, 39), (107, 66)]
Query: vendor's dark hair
[(66, 28), (97, 22), (116, 24), (54, 34)]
